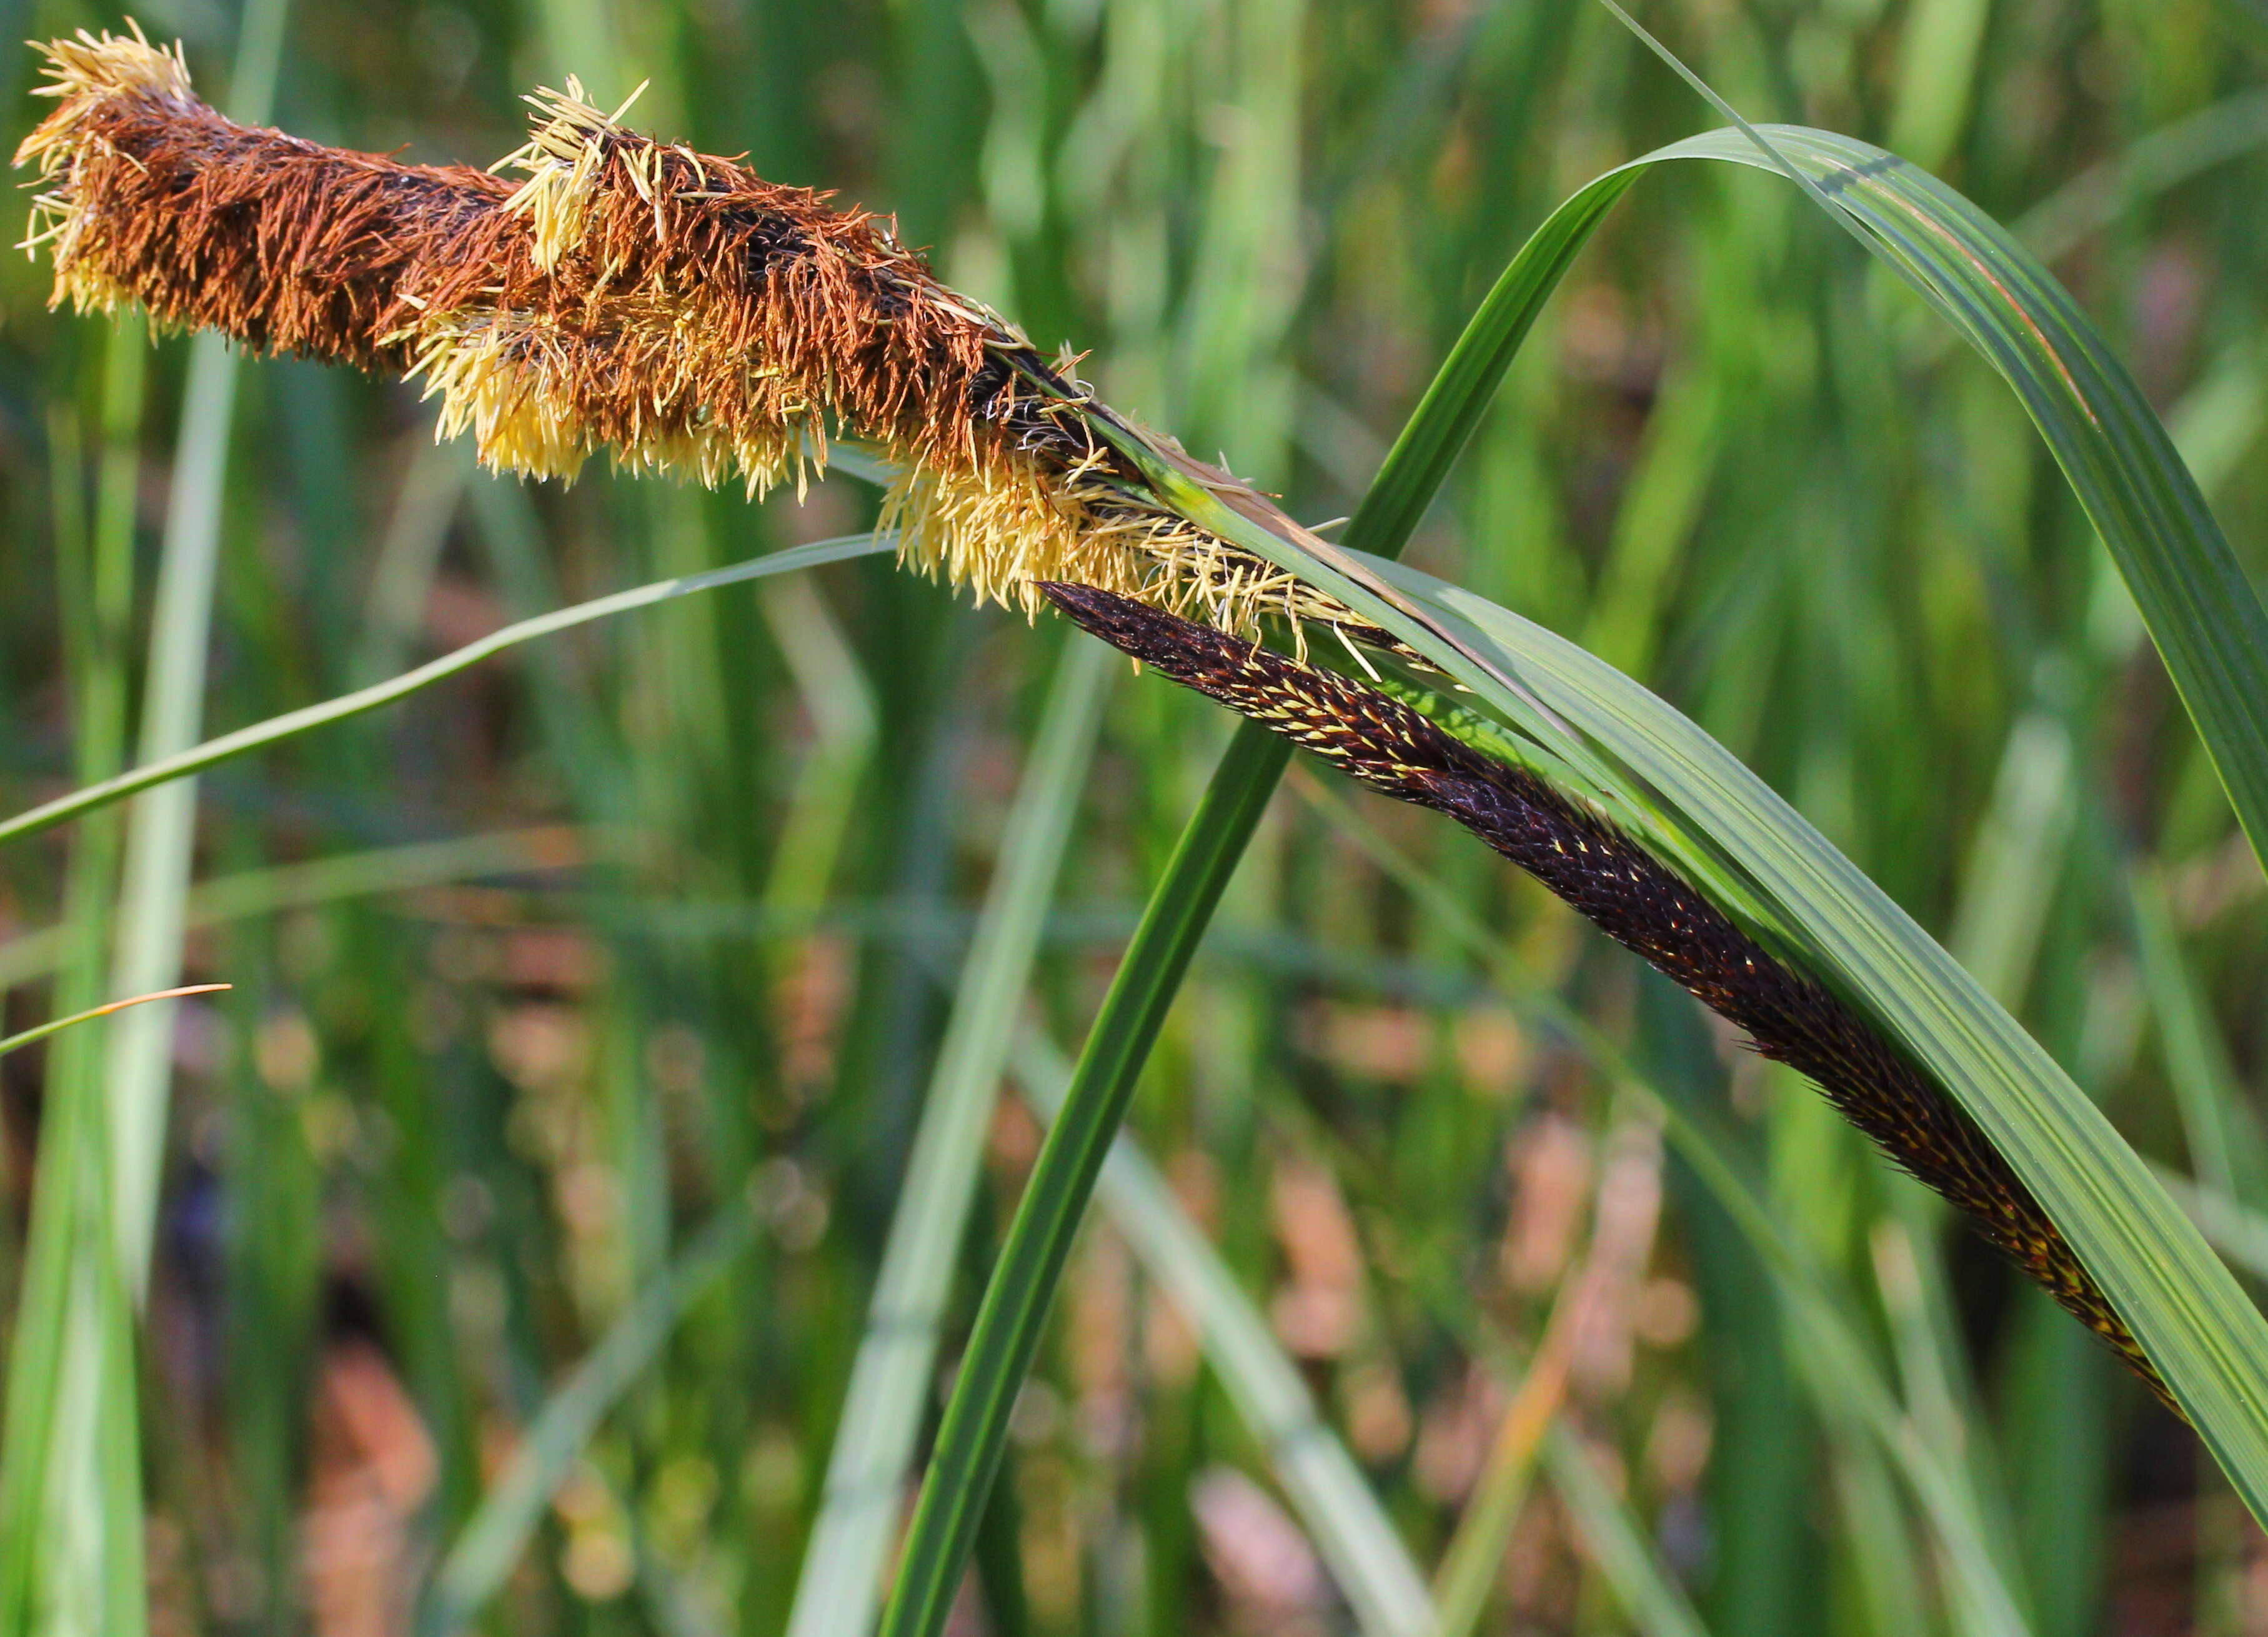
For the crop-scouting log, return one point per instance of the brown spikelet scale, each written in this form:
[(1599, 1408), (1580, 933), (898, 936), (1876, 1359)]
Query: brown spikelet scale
[(623, 295), (1629, 894)]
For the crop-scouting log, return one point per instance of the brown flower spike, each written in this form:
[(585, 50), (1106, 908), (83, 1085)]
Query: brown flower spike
[(626, 295), (1629, 894)]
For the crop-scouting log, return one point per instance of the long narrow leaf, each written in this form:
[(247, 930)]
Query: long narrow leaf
[(323, 881), (2194, 595), (2197, 1325), (291, 723), (162, 831), (497, 1534), (23, 1037), (1657, 1605), (1692, 797)]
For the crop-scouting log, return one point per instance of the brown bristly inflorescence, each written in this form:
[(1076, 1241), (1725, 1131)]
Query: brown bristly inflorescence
[(1630, 895), (623, 295)]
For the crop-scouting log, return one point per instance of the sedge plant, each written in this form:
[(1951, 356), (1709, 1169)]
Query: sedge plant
[(681, 314)]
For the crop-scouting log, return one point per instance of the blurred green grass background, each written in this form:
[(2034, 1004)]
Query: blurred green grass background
[(540, 973)]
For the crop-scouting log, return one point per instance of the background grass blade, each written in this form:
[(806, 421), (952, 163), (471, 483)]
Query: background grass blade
[(1656, 1604), (1356, 1539), (225, 898), (2167, 156), (163, 829), (195, 759), (23, 1037), (1467, 1578), (409, 557), (2220, 1128), (841, 1581), (60, 1445), (836, 692), (494, 1537)]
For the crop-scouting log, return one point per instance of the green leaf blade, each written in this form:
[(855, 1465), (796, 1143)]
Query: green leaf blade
[(1703, 806), (2199, 605), (2190, 1316)]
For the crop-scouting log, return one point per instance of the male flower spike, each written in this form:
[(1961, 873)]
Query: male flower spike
[(626, 295)]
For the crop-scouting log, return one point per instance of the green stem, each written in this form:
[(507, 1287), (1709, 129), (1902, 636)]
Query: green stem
[(1022, 1287), (1016, 1301)]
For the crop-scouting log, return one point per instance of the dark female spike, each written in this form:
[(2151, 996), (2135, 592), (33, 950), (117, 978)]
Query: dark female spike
[(1632, 897)]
